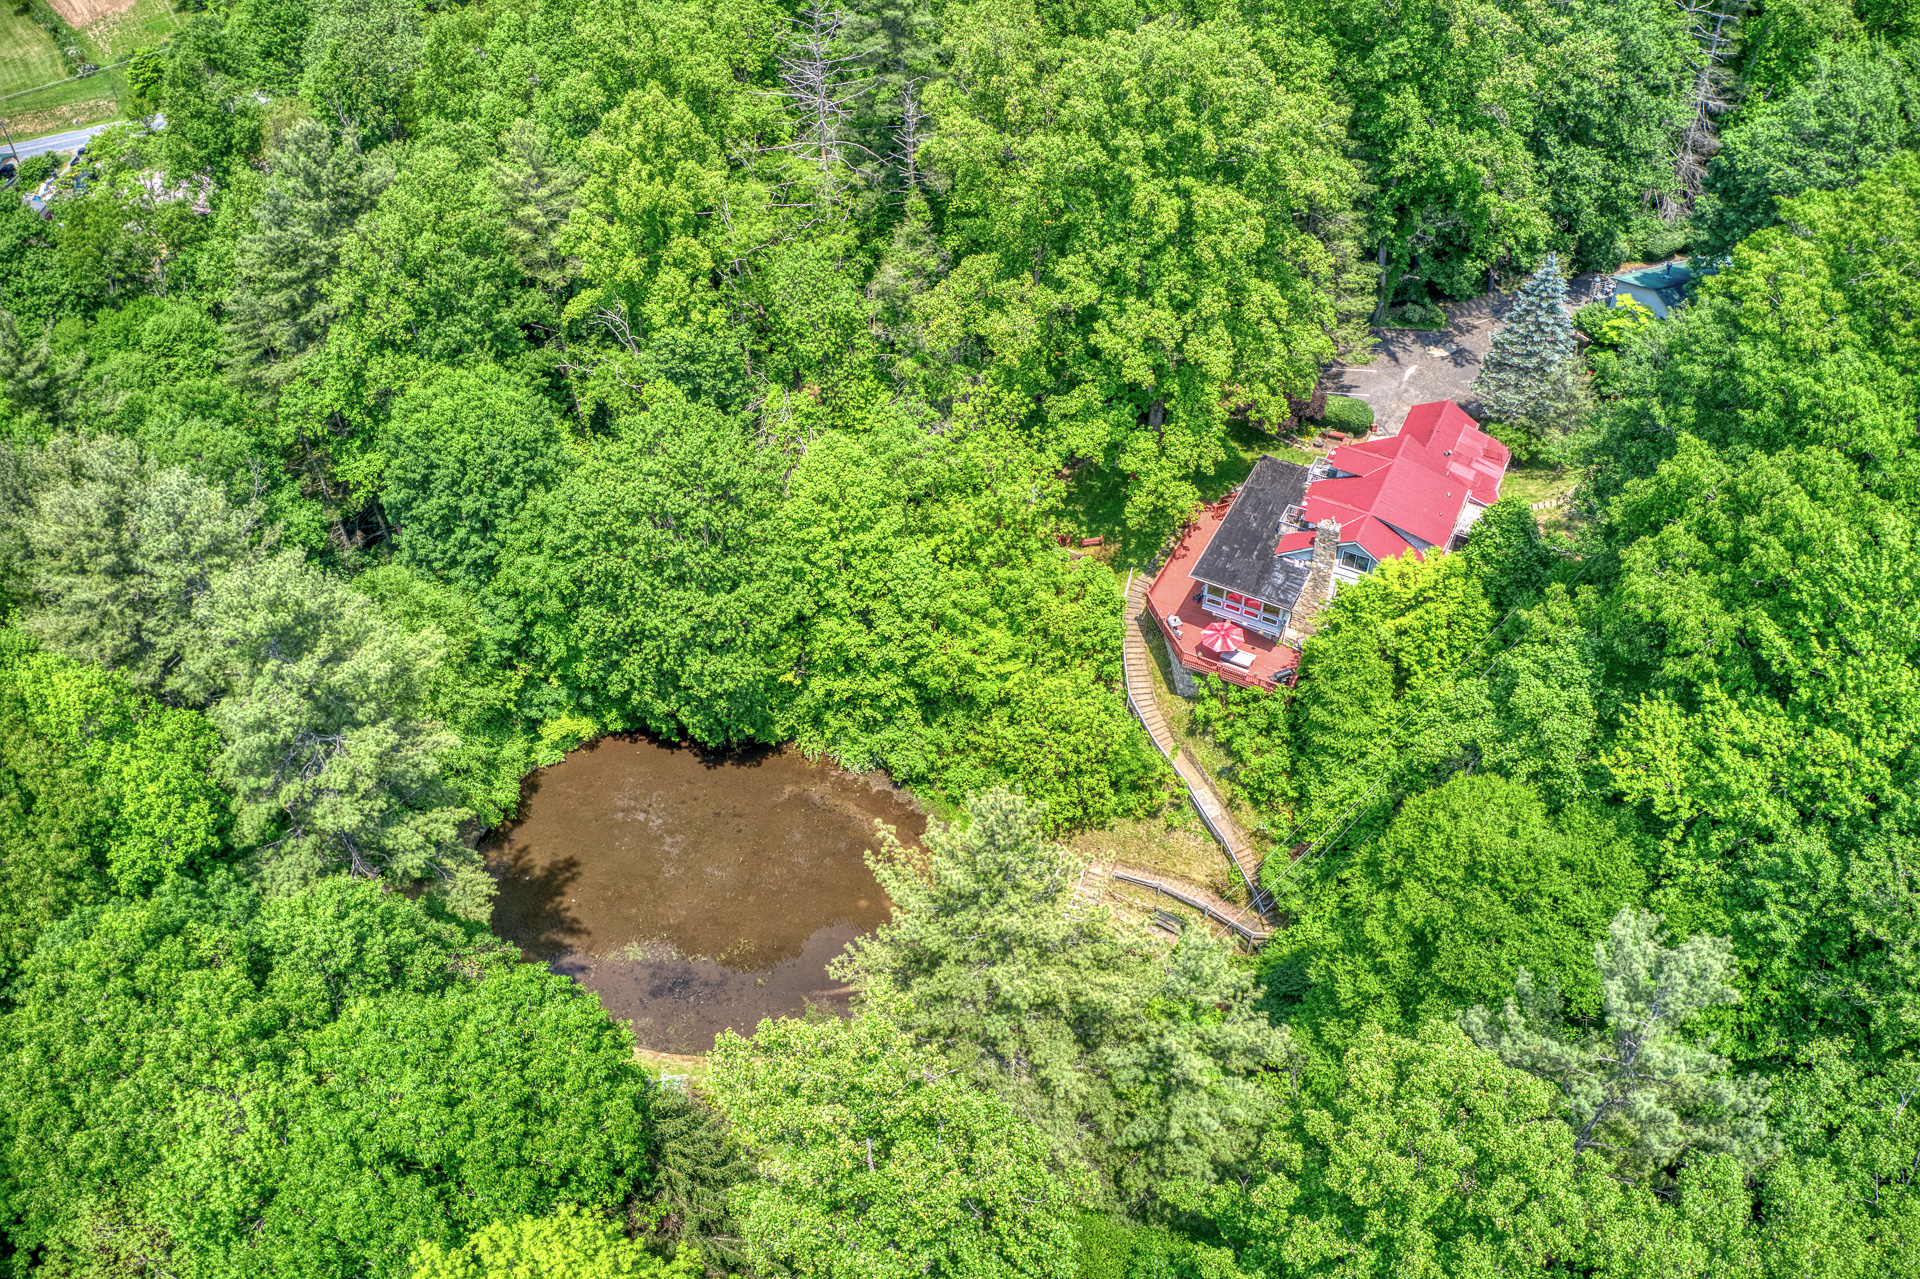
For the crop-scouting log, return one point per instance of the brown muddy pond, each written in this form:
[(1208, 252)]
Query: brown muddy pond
[(693, 891)]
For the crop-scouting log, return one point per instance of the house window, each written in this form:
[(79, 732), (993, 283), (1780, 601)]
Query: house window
[(1267, 619), (1356, 560)]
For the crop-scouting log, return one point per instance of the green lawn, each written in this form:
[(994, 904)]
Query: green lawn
[(1536, 482), (27, 56)]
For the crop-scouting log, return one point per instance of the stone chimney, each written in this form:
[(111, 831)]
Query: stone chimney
[(1319, 588)]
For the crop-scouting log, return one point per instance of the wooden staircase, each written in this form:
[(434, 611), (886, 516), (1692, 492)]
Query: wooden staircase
[(1138, 664)]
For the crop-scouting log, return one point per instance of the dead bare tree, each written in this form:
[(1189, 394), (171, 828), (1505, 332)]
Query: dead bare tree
[(820, 89), (909, 135), (1714, 25)]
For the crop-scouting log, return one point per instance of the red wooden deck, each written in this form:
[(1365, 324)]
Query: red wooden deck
[(1173, 592)]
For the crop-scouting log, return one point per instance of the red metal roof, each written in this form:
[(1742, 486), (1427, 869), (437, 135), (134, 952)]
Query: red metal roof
[(1407, 491)]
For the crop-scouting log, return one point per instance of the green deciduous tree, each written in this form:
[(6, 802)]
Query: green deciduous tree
[(359, 63), (32, 290), (648, 583), (1607, 94), (213, 121), (471, 449), (431, 273), (119, 229), (568, 1245), (1132, 229), (948, 639), (105, 792), (1783, 45), (270, 37), (312, 1085), (878, 1159), (1420, 1156), (1636, 1086), (1441, 114), (1471, 883), (644, 230), (1851, 115)]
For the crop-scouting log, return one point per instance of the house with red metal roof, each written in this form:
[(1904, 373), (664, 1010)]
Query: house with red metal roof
[(1404, 493), (1267, 557)]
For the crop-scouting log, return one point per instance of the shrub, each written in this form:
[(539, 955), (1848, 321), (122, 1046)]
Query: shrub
[(35, 170), (1591, 320), (1344, 413), (1419, 315)]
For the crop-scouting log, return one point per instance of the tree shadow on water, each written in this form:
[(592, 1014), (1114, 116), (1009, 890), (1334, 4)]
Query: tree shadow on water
[(532, 908)]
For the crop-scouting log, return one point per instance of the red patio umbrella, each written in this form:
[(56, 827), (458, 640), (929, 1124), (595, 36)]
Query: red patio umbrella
[(1222, 637)]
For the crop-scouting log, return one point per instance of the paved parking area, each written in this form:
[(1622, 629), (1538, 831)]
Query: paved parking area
[(1417, 366)]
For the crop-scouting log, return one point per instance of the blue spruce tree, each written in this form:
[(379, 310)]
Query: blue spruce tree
[(1531, 378)]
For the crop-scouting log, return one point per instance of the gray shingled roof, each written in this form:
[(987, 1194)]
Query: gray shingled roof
[(1241, 556)]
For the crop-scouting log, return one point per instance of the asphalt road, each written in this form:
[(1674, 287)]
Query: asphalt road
[(70, 139), (55, 141)]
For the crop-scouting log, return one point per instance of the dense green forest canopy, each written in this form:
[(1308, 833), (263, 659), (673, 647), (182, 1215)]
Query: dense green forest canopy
[(448, 384)]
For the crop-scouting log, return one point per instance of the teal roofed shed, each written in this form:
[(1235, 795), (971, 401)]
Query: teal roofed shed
[(1660, 288)]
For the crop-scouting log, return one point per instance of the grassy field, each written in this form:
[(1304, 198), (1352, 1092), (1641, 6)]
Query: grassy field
[(33, 103), (87, 101), (146, 24), (27, 56)]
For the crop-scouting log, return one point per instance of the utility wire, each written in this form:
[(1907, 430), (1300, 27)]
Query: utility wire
[(70, 79), (1351, 813)]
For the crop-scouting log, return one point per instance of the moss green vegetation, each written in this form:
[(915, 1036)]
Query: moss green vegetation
[(446, 385)]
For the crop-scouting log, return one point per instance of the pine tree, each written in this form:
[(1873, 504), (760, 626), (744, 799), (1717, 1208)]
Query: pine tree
[(117, 552), (1531, 378), (36, 389), (279, 308), (536, 192), (897, 44), (1051, 1000), (1637, 1086)]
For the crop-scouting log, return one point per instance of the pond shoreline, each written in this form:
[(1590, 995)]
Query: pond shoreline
[(694, 890)]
